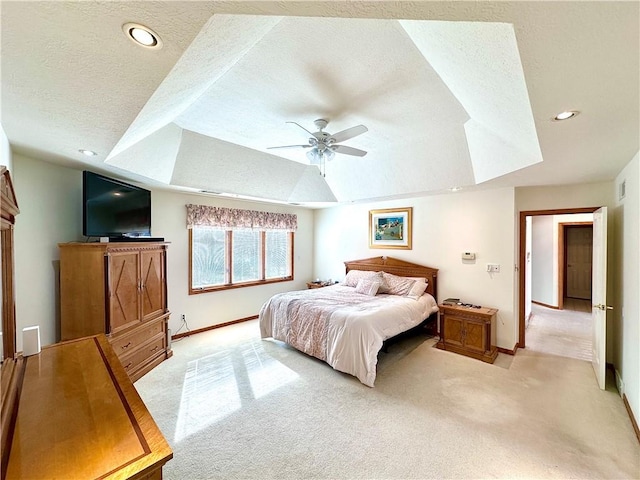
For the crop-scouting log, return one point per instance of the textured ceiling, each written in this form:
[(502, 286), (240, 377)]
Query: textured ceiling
[(452, 93)]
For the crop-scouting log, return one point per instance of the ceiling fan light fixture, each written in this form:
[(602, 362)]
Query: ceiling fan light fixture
[(329, 154), (317, 156), (314, 158), (324, 146), (142, 36)]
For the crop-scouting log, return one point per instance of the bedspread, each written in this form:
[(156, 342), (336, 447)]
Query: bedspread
[(341, 327)]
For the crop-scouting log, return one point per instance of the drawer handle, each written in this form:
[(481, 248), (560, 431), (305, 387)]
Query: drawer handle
[(126, 367), (154, 348), (126, 346)]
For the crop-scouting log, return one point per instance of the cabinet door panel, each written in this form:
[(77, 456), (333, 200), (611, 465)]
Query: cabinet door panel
[(124, 300), (453, 328), (475, 336), (153, 292)]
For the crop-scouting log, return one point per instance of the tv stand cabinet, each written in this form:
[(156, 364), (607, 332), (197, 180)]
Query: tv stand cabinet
[(120, 290)]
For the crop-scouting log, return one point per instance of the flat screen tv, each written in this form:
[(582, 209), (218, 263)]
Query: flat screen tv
[(114, 209)]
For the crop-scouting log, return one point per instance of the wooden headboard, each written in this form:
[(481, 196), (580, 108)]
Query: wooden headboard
[(400, 268)]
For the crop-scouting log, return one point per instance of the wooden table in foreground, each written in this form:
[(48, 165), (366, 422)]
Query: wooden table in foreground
[(77, 415)]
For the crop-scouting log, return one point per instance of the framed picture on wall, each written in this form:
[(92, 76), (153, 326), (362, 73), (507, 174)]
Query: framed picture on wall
[(390, 228)]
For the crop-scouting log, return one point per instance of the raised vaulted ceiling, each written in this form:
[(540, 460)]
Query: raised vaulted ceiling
[(453, 93), (414, 85)]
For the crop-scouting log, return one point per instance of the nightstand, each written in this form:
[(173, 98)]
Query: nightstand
[(316, 284), (468, 331)]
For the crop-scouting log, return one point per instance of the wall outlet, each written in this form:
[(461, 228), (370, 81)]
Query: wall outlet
[(493, 268), (183, 317)]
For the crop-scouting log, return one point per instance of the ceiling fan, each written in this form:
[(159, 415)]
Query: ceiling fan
[(324, 145)]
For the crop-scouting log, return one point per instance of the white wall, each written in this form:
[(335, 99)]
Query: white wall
[(444, 226), (626, 267), (564, 196), (50, 199), (6, 158), (543, 267)]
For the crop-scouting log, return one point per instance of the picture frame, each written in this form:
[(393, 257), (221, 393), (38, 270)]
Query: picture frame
[(390, 228)]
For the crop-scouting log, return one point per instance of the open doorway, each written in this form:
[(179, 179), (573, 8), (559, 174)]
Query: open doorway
[(575, 264), (551, 291)]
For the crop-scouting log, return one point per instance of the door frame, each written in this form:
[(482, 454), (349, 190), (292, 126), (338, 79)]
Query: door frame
[(522, 240)]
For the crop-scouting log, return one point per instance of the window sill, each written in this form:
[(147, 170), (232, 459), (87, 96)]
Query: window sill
[(231, 286)]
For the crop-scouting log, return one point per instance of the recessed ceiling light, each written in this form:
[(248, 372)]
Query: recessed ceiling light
[(88, 153), (566, 115), (141, 35), (455, 189)]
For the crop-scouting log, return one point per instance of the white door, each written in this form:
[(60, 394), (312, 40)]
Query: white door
[(599, 295)]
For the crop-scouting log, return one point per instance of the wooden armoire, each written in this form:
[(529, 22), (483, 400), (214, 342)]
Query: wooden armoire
[(119, 289)]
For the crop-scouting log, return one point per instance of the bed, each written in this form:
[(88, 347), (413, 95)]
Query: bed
[(346, 324)]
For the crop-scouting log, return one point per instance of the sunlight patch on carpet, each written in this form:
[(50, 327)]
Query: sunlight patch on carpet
[(222, 383)]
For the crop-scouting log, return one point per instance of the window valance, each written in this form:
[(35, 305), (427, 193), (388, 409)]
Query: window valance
[(236, 219)]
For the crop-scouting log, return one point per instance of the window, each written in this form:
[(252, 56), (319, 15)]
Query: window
[(222, 259), (207, 257), (279, 252), (230, 248)]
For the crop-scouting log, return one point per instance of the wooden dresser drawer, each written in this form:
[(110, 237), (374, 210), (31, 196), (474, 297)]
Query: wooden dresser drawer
[(138, 357), (129, 341)]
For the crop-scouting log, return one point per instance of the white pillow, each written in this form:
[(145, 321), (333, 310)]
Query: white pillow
[(396, 285), (417, 290), (368, 286), (353, 276)]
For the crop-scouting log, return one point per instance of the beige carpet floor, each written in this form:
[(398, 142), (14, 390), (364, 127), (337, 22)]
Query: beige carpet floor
[(234, 406), (565, 333)]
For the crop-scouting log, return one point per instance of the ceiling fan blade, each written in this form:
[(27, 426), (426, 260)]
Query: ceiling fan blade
[(348, 150), (290, 146), (349, 133), (302, 128)]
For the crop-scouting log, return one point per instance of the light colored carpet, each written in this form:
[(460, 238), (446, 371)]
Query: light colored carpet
[(566, 333), (234, 406)]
